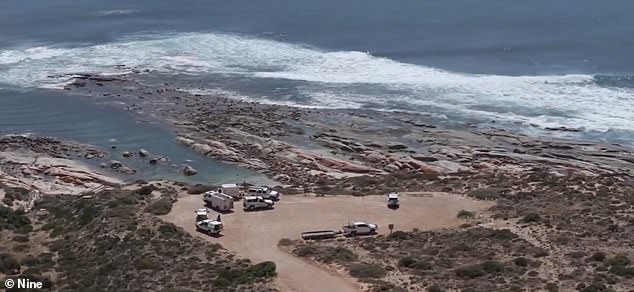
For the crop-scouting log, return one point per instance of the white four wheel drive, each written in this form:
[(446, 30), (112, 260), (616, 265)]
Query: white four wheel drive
[(256, 202), (209, 226), (264, 192), (359, 228)]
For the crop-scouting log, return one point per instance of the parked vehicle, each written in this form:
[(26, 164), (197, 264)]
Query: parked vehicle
[(232, 190), (264, 192), (392, 201), (256, 202), (320, 234), (209, 226), (201, 214), (359, 228), (218, 201)]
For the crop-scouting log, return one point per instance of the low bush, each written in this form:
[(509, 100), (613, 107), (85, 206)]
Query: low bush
[(464, 214), (262, 270), (492, 267), (160, 207), (521, 262), (146, 263), (9, 265), (622, 271), (338, 254), (398, 236), (488, 193), (619, 260), (530, 217), (146, 190), (366, 270), (199, 189), (472, 271), (597, 257), (406, 262), (285, 242), (14, 220), (306, 251)]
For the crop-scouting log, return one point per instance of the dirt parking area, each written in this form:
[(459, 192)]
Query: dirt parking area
[(255, 234)]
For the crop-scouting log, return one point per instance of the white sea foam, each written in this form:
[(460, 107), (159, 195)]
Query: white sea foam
[(567, 100), (116, 12)]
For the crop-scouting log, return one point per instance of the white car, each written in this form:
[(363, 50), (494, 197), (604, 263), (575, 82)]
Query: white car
[(256, 202), (209, 226), (359, 228), (264, 192), (201, 214)]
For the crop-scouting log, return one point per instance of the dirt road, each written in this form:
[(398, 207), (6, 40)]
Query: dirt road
[(255, 234)]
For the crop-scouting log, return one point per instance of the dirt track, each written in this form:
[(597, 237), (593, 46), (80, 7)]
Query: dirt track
[(255, 234)]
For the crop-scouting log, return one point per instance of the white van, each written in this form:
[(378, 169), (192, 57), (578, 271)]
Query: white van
[(256, 202), (218, 201), (392, 201), (231, 190)]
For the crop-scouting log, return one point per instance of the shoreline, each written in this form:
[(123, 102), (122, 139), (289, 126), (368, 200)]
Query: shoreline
[(298, 146)]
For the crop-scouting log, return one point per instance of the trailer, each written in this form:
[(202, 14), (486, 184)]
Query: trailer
[(218, 201), (232, 190), (320, 234)]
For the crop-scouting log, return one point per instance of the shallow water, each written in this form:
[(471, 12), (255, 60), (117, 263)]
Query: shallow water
[(76, 118)]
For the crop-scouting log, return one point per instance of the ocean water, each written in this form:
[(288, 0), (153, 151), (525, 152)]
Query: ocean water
[(522, 65)]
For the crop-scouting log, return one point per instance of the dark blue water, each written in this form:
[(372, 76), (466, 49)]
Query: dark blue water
[(527, 65)]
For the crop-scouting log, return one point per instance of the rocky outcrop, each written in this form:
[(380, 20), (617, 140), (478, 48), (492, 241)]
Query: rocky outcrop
[(189, 171)]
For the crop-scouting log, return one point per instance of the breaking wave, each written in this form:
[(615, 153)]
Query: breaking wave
[(342, 79)]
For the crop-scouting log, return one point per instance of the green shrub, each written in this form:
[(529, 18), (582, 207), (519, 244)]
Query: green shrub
[(398, 236), (87, 215), (21, 238), (406, 262), (619, 260), (168, 230), (464, 214), (146, 190), (492, 267), (622, 271), (472, 271), (551, 287), (146, 263), (306, 251), (7, 201), (9, 265), (503, 234), (338, 254), (488, 193), (420, 265), (199, 189), (434, 288), (285, 242), (262, 270), (160, 207), (14, 220), (530, 217), (597, 257), (366, 270), (521, 262)]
